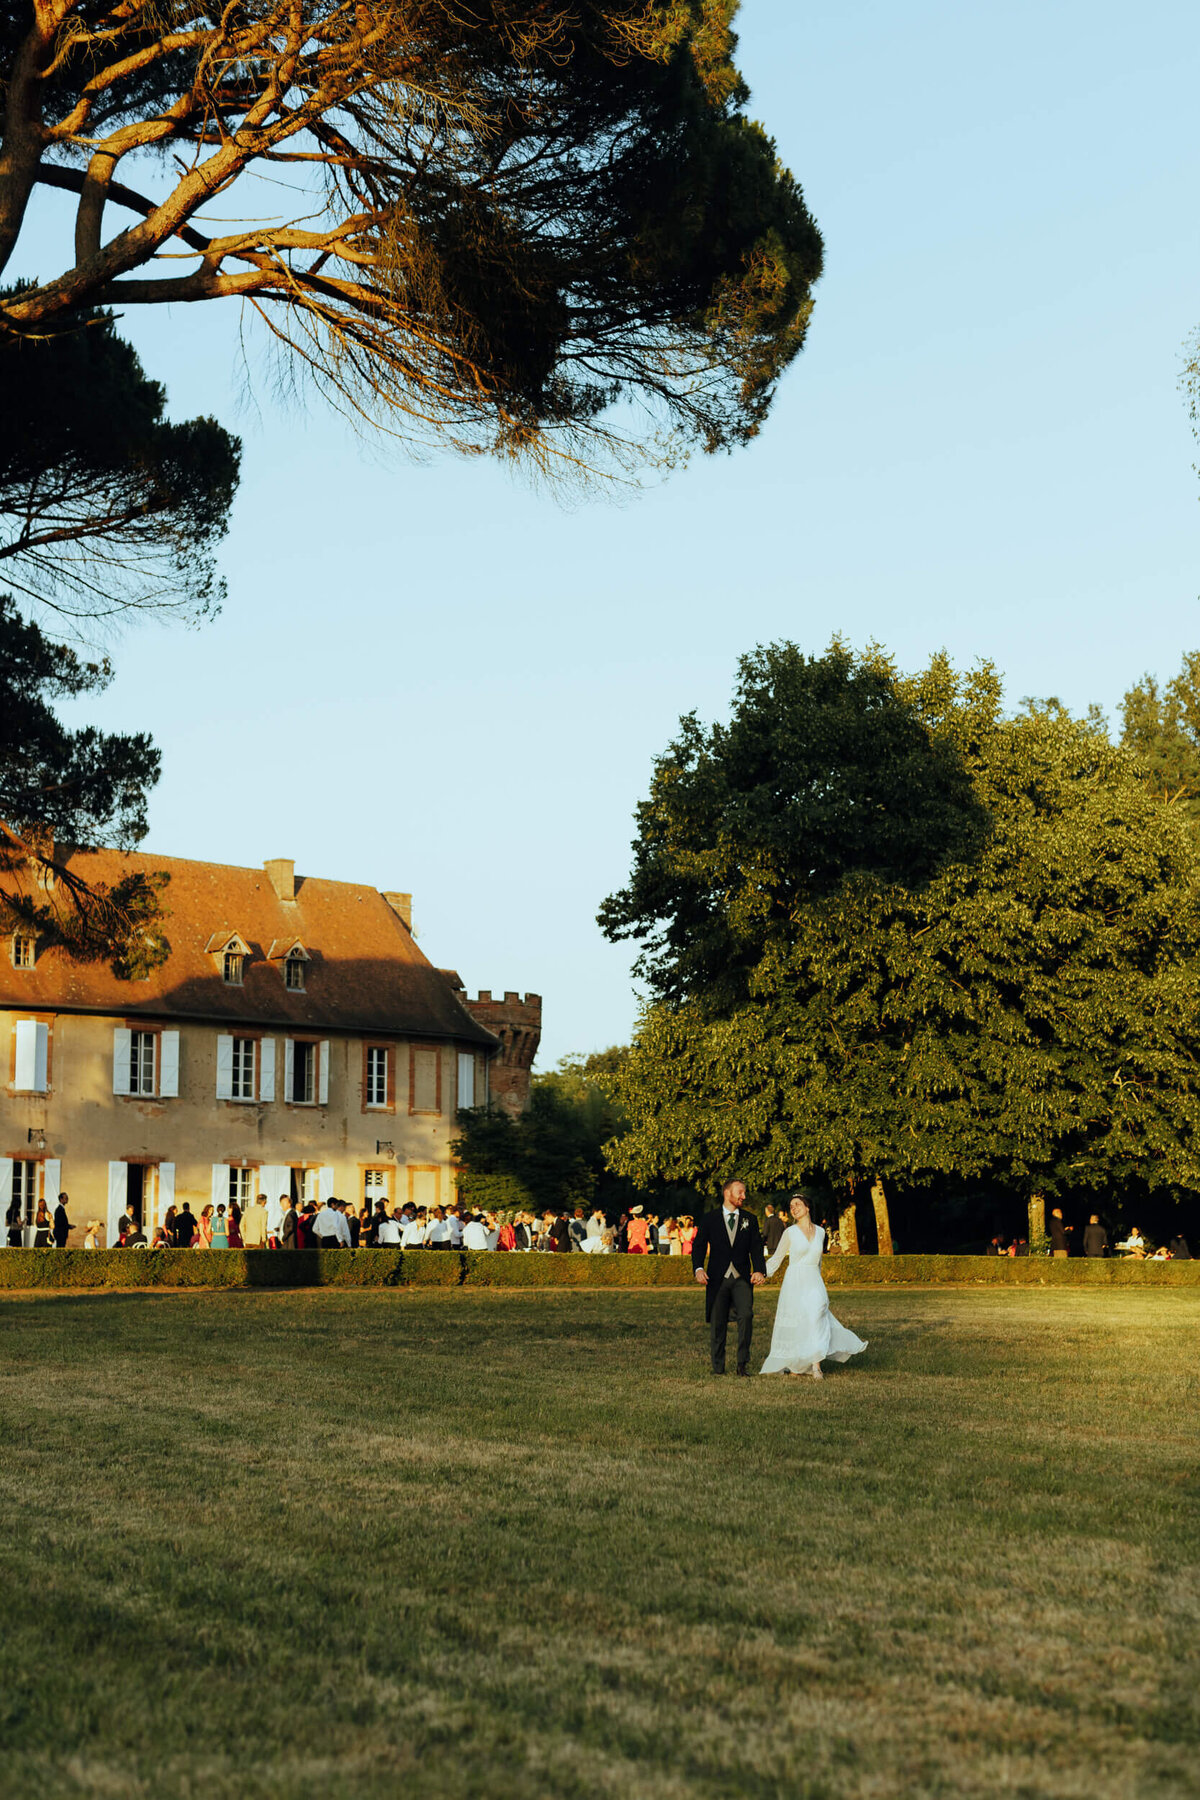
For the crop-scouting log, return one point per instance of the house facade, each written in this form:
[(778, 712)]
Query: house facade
[(296, 1043)]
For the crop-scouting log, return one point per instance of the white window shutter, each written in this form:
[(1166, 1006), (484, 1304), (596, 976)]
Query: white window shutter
[(41, 1059), (274, 1180), (266, 1069), (324, 1087), (289, 1069), (224, 1066), (168, 1065), (122, 1044), (118, 1176), (220, 1184), (466, 1078), (166, 1189), (25, 1070), (325, 1183), (51, 1182), (5, 1191)]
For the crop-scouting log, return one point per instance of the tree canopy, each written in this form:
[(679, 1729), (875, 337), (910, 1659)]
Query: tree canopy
[(104, 503), (824, 768), (1021, 1006), (528, 227), (61, 789), (1161, 725)]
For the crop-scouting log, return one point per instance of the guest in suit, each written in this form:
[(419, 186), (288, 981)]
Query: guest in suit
[(730, 1240), (560, 1234), (776, 1225), (1058, 1233), (289, 1231), (1095, 1238), (62, 1225), (183, 1235)]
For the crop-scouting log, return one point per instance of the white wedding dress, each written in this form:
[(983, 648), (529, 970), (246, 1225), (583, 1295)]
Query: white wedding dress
[(805, 1330)]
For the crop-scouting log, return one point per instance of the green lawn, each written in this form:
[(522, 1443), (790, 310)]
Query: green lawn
[(453, 1544)]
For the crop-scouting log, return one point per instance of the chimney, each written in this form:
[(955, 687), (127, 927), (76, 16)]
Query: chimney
[(281, 873), (401, 905)]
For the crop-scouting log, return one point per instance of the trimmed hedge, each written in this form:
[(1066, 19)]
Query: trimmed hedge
[(228, 1268), (81, 1269)]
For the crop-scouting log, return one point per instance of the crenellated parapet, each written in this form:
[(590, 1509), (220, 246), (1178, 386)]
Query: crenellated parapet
[(517, 1021)]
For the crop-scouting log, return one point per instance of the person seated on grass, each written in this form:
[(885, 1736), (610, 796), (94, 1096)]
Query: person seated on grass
[(1162, 1254), (91, 1235), (1134, 1245), (1180, 1248)]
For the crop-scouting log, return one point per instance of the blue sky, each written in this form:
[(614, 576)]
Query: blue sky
[(435, 678)]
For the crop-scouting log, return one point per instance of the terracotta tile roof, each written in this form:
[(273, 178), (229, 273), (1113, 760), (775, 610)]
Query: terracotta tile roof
[(366, 973)]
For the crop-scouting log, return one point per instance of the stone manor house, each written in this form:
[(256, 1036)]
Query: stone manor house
[(296, 1042)]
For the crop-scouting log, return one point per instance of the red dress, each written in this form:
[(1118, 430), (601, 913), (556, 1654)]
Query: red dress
[(506, 1238), (636, 1234)]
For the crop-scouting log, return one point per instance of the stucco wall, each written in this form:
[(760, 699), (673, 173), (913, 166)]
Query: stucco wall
[(86, 1126)]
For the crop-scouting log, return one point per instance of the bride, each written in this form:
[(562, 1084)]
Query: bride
[(805, 1330)]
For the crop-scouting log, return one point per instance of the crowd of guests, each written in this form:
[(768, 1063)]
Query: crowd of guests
[(1095, 1242), (284, 1224)]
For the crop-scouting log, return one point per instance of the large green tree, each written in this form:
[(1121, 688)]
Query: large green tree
[(105, 504), (540, 228), (1021, 1008)]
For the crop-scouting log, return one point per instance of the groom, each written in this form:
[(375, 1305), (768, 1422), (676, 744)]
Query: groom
[(731, 1241)]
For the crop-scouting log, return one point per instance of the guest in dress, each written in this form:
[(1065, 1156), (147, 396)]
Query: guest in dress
[(636, 1232), (235, 1225), (13, 1223), (204, 1234), (220, 1229), (687, 1234), (506, 1234), (91, 1235), (43, 1228)]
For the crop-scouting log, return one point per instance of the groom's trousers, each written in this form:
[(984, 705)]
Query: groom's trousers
[(736, 1297)]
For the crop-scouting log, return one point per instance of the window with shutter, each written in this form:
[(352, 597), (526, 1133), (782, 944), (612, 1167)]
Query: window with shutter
[(466, 1078), (425, 1083)]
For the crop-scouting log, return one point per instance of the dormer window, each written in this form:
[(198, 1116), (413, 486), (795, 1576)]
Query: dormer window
[(292, 959), (230, 952), (24, 952)]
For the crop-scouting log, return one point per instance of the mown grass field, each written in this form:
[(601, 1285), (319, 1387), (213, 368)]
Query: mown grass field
[(489, 1546)]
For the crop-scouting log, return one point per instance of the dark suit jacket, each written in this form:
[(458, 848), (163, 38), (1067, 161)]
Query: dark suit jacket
[(288, 1236), (712, 1240), (1095, 1240), (62, 1226)]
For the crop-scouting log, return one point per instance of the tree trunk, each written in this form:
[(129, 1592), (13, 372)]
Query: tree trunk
[(883, 1226), (1037, 1221), (848, 1230)]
